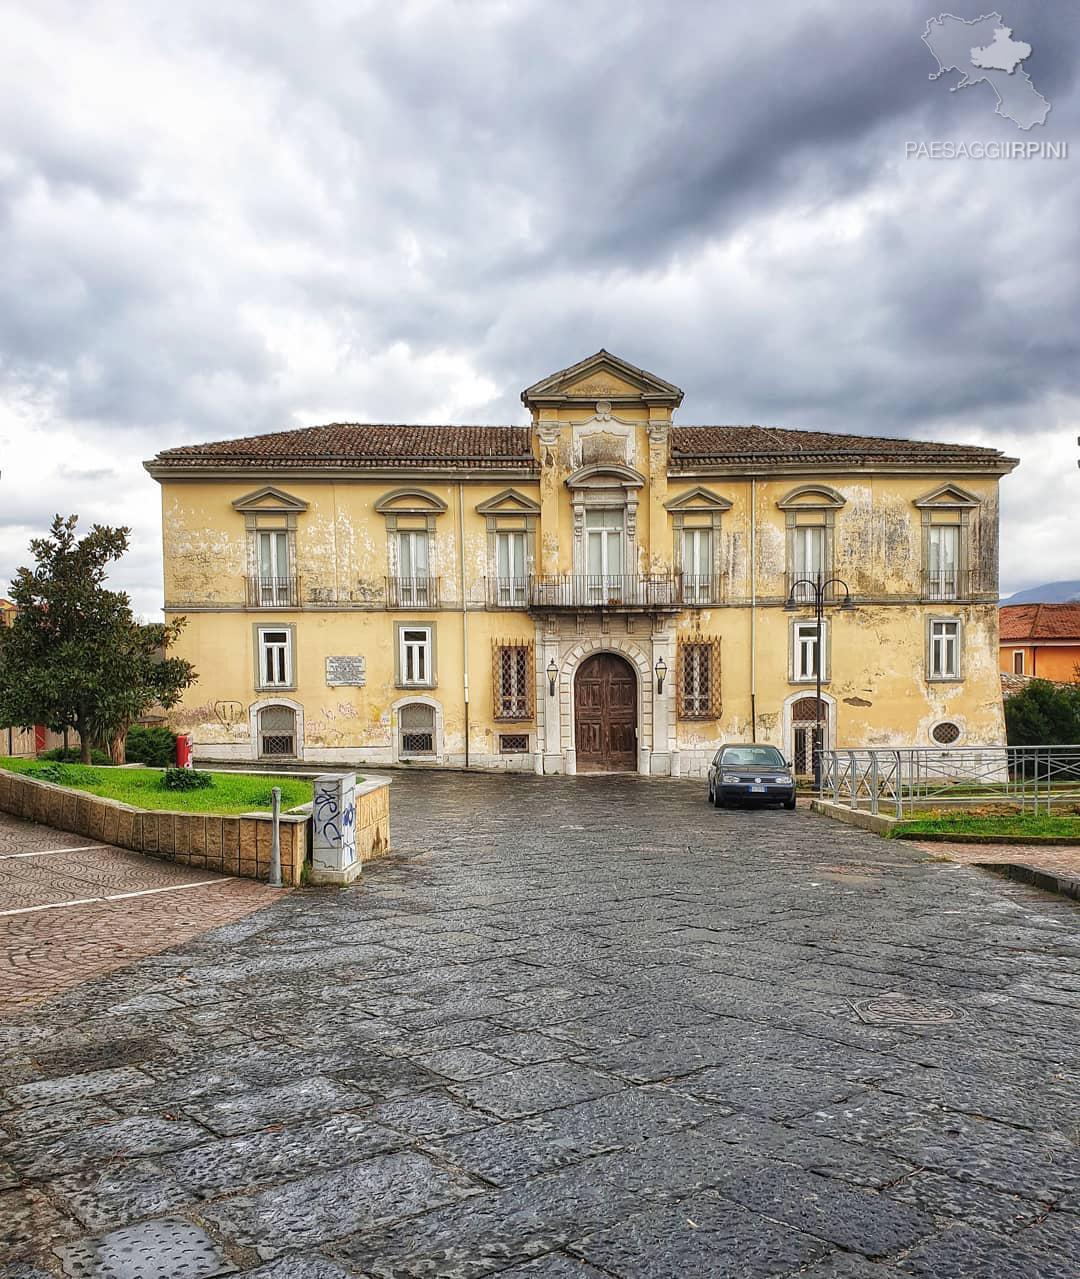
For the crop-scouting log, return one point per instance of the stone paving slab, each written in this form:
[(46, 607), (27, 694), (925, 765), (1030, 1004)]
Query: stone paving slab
[(573, 1028)]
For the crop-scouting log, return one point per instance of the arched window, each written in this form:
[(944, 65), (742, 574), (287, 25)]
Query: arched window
[(277, 731), (416, 730)]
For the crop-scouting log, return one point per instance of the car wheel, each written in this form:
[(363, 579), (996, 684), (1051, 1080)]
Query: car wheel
[(711, 799), (718, 800), (789, 804)]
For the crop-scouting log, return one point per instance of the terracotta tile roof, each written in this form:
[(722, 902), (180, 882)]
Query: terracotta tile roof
[(1012, 684), (351, 444), (694, 445), (1020, 622)]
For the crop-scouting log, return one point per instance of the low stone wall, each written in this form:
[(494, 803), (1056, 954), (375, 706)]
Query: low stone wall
[(876, 822), (229, 845)]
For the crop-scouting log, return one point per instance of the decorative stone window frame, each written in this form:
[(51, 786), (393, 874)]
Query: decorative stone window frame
[(266, 703), (699, 508), (813, 505), (793, 651), (948, 506), (409, 509), (412, 699), (955, 721), (510, 512), (606, 486), (433, 670), (269, 510), (931, 678), (257, 653)]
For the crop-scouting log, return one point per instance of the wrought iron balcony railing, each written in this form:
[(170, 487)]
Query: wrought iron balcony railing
[(698, 589), (509, 592), (605, 590), (273, 592), (412, 592), (946, 584)]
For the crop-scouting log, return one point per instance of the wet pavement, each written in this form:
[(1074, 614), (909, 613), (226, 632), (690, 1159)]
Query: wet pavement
[(573, 1028)]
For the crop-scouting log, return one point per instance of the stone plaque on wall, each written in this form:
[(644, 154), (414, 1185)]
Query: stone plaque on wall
[(350, 671)]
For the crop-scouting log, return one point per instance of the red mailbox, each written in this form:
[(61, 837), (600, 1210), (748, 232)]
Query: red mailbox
[(183, 751)]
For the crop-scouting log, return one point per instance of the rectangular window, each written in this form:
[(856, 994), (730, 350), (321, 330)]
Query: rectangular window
[(805, 651), (511, 569), (943, 561), (698, 680), (513, 743), (273, 584), (944, 650), (415, 666), (414, 583), (808, 557), (1018, 662), (697, 565), (275, 657), (512, 681)]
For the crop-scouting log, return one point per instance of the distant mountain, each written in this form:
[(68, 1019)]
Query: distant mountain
[(1050, 593)]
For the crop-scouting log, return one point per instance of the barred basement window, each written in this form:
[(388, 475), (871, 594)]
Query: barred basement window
[(416, 724), (512, 679), (945, 733), (277, 731), (697, 680), (513, 743)]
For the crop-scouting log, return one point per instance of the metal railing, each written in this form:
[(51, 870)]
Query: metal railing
[(696, 589), (508, 592), (273, 592), (906, 779), (946, 584), (412, 592), (605, 590)]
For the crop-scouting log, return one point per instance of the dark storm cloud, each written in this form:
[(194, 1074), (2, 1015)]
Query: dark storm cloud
[(213, 223)]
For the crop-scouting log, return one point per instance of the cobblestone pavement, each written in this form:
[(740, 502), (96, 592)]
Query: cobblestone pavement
[(47, 946), (1058, 859), (574, 1028)]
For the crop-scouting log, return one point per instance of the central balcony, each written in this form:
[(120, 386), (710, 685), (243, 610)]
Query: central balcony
[(604, 590)]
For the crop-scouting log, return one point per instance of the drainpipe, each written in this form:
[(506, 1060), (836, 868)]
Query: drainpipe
[(753, 610), (464, 611)]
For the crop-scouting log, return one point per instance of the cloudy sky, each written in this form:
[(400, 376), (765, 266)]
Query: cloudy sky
[(222, 219)]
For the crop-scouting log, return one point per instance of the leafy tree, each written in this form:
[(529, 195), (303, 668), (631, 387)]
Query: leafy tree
[(1043, 713), (76, 657)]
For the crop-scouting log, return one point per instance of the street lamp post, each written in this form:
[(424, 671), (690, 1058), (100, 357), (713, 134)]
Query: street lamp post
[(819, 589)]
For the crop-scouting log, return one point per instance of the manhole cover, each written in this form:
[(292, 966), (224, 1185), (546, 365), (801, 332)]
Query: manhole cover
[(897, 1009), (165, 1249)]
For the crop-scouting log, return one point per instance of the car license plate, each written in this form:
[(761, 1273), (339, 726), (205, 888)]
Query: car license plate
[(757, 790)]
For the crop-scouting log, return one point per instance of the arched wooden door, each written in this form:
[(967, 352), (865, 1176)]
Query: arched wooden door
[(605, 714)]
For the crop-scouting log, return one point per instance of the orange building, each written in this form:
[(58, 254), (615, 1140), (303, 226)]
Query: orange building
[(1041, 640)]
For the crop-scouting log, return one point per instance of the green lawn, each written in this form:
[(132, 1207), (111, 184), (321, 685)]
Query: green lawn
[(141, 787), (1063, 826)]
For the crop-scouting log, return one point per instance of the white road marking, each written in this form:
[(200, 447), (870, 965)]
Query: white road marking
[(114, 897), (48, 852)]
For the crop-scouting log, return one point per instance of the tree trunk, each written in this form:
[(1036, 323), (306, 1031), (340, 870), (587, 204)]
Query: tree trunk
[(84, 748), (118, 746)]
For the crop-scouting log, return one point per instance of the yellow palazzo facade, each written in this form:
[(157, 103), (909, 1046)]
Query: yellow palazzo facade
[(601, 590)]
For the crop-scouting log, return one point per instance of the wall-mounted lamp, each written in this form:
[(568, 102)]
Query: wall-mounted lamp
[(661, 672), (553, 675)]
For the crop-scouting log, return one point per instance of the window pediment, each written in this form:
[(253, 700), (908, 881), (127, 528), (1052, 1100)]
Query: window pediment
[(508, 502), (269, 500), (605, 475), (814, 496), (410, 501), (698, 500), (948, 496)]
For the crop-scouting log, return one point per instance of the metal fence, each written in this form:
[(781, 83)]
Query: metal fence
[(900, 781)]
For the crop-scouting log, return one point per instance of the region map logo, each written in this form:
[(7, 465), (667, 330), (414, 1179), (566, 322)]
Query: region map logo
[(983, 50)]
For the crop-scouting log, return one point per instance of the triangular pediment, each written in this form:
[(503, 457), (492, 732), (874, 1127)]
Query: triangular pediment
[(698, 499), (269, 498), (951, 495), (602, 376), (509, 502)]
